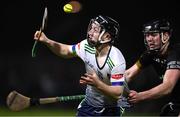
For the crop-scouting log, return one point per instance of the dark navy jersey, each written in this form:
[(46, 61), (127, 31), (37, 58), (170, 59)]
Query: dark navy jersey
[(162, 63)]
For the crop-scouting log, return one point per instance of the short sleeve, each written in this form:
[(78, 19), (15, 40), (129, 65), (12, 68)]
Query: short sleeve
[(173, 60), (78, 49), (117, 75)]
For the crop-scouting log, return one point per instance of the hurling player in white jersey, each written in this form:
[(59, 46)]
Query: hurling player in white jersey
[(104, 63)]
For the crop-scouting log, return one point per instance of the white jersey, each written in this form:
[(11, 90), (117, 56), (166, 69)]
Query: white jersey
[(111, 72)]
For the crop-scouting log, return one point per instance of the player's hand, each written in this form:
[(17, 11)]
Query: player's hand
[(40, 36), (90, 78), (134, 97)]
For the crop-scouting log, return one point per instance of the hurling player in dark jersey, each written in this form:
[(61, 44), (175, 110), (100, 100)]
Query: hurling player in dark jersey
[(165, 59)]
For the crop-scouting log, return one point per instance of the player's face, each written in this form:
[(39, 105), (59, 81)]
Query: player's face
[(94, 32), (153, 40)]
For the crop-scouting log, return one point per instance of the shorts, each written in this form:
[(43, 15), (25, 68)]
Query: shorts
[(87, 110)]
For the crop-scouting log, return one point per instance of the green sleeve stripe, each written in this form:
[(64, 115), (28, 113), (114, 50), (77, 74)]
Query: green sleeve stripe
[(89, 48), (110, 66), (111, 61), (89, 51)]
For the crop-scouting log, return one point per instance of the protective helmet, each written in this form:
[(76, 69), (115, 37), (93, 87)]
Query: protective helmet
[(106, 24), (157, 26)]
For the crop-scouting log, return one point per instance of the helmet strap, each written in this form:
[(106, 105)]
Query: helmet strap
[(100, 38), (165, 44), (164, 38), (164, 48)]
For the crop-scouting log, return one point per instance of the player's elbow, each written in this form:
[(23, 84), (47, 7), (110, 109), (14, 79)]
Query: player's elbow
[(165, 93), (117, 96), (168, 87), (168, 91), (117, 92), (67, 56)]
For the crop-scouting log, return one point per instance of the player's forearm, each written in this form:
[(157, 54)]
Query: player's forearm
[(165, 88), (113, 91), (131, 73), (156, 92), (58, 48)]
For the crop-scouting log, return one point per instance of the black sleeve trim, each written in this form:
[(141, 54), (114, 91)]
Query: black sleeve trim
[(173, 65)]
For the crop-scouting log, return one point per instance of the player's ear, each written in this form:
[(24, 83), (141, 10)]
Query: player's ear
[(166, 37), (106, 36)]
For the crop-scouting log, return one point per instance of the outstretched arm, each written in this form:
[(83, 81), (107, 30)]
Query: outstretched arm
[(169, 81), (59, 49)]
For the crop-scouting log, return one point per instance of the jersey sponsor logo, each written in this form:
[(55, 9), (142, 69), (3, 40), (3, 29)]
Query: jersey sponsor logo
[(88, 62), (161, 61), (117, 76)]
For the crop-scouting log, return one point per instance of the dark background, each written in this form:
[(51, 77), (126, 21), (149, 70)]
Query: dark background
[(47, 75)]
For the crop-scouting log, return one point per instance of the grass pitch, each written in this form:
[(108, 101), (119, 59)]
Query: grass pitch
[(38, 112), (59, 111)]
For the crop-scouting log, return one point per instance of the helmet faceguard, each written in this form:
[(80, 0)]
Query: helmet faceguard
[(106, 24), (158, 26)]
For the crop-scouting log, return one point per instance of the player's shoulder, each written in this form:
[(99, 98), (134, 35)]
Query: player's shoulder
[(116, 52), (116, 55), (84, 46), (82, 43)]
